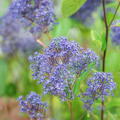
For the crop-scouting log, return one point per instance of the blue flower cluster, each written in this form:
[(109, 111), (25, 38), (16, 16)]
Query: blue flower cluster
[(37, 15), (84, 14), (115, 35), (15, 38), (101, 84), (33, 106), (60, 64)]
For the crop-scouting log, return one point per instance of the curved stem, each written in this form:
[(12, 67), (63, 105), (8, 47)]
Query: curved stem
[(102, 110), (51, 107), (71, 110)]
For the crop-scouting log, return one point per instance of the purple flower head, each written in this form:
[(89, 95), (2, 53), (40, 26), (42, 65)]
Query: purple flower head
[(37, 15), (60, 64), (33, 106), (101, 84), (115, 35), (84, 14), (15, 38)]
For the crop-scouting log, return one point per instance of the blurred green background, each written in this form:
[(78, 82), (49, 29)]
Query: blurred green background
[(16, 79)]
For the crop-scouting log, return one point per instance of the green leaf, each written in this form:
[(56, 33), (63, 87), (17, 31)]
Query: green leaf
[(62, 28), (10, 89), (95, 35), (111, 116), (114, 102), (99, 39), (69, 7), (3, 76), (82, 77), (103, 42), (4, 4)]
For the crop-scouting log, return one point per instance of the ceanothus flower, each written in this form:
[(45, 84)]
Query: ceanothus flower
[(37, 15), (101, 84), (115, 35), (33, 106), (15, 38), (59, 65), (84, 14)]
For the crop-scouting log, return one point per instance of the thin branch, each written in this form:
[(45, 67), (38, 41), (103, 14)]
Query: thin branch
[(41, 43), (71, 110), (106, 36), (104, 13), (114, 14), (105, 51), (51, 107)]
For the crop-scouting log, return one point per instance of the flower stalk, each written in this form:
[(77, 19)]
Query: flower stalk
[(107, 26), (70, 105)]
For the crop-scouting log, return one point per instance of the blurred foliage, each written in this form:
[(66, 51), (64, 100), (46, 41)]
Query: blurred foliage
[(71, 6), (15, 75), (4, 4)]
